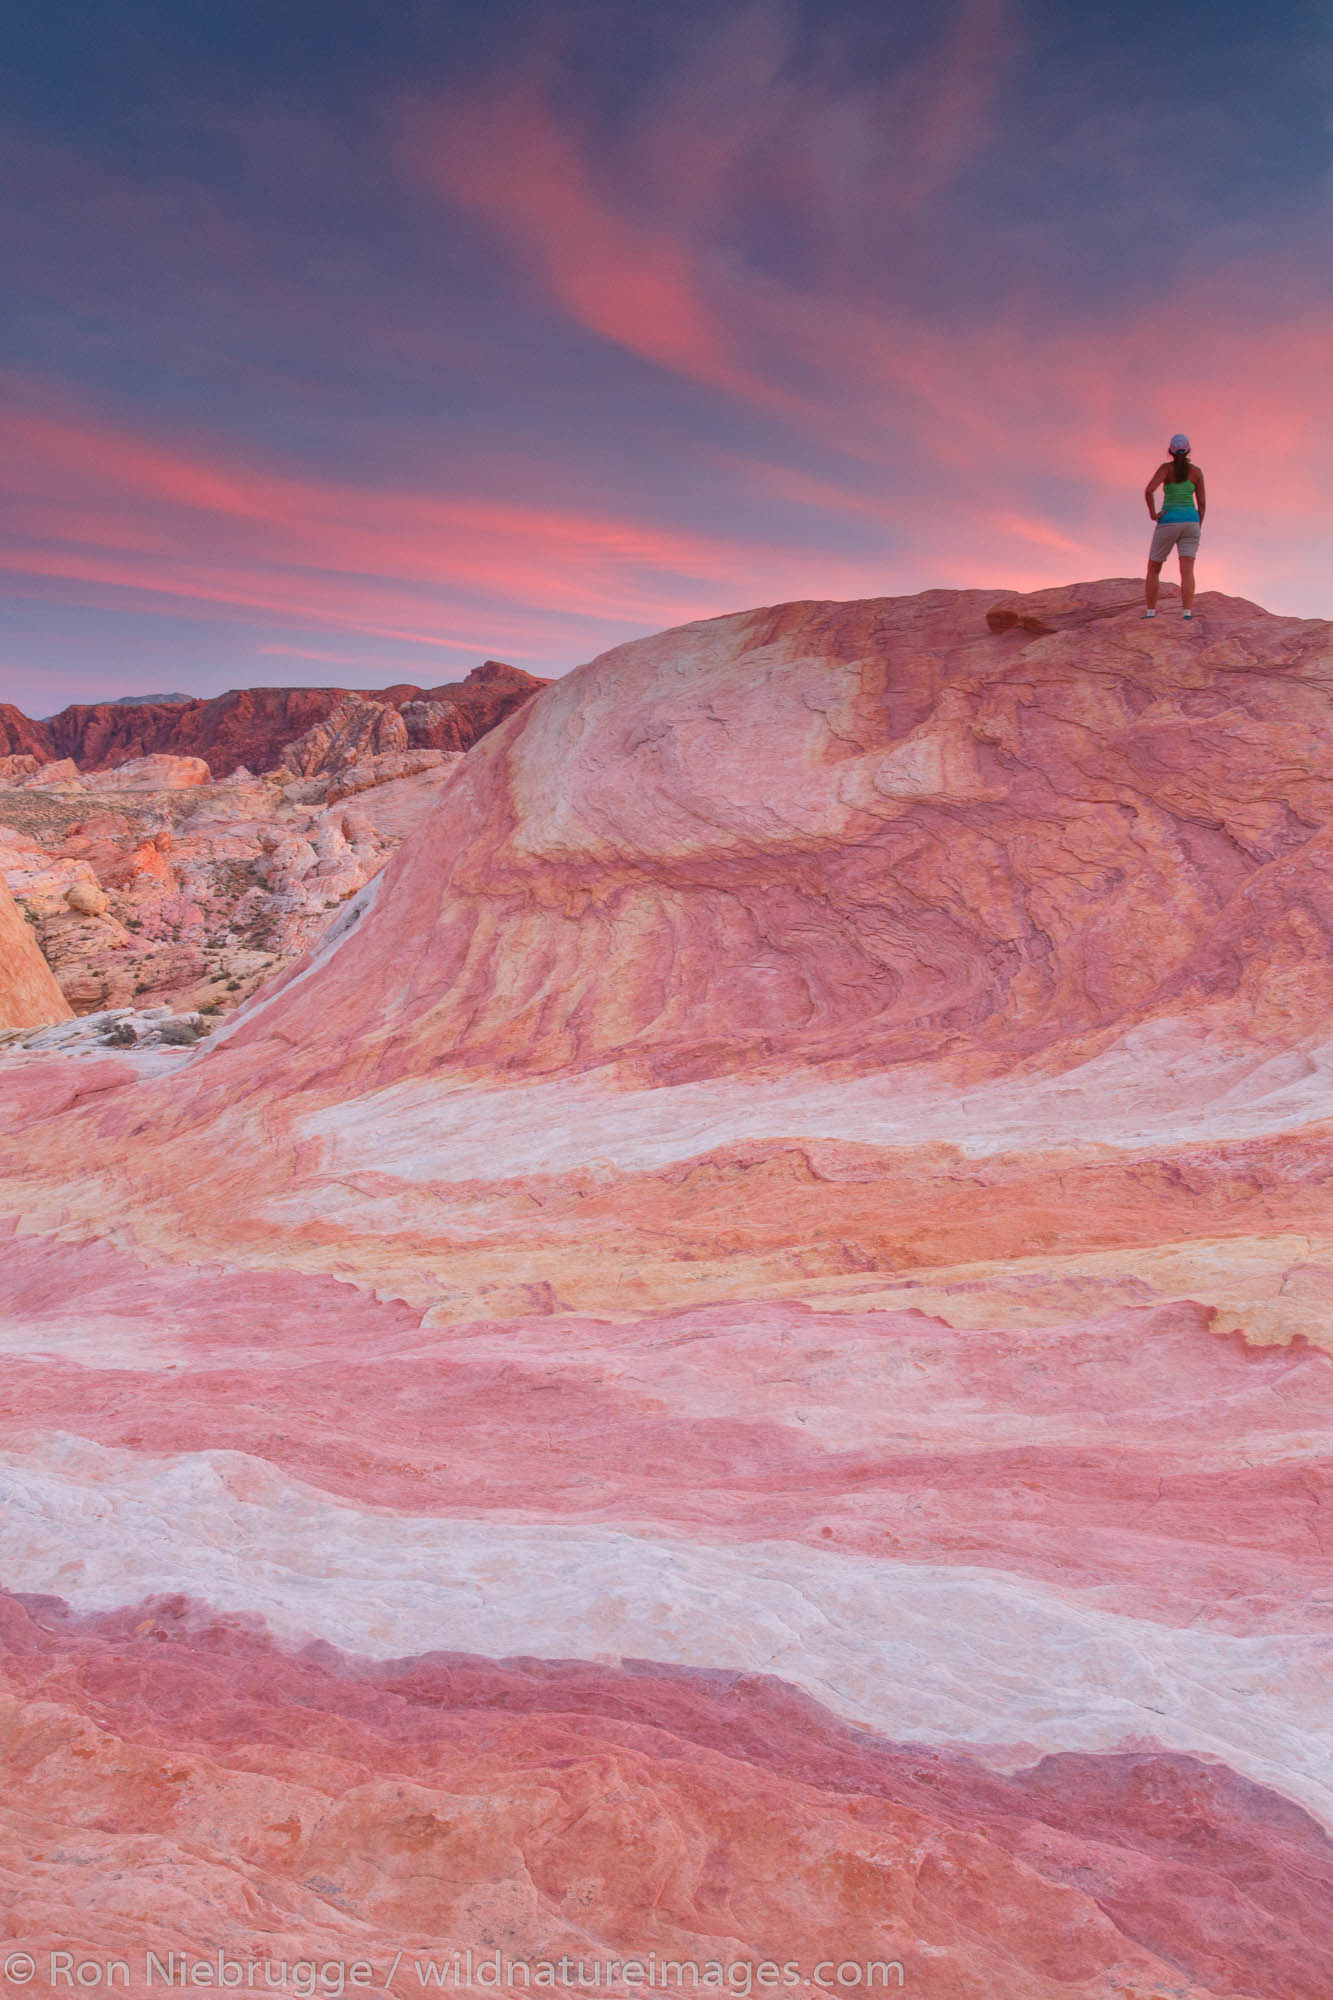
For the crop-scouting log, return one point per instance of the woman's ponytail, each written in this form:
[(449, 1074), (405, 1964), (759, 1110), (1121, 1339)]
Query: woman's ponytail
[(1180, 466)]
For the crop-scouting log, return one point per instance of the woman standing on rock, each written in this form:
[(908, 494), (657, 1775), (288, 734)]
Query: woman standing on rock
[(1178, 523)]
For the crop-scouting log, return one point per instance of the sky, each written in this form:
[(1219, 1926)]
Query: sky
[(351, 342)]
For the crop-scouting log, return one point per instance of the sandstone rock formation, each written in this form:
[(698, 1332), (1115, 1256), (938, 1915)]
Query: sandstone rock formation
[(158, 773), (863, 835), (147, 1030), (353, 729), (56, 774), (29, 995), (383, 768), (737, 1366)]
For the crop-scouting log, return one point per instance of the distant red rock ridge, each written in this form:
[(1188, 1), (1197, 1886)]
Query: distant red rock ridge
[(255, 726)]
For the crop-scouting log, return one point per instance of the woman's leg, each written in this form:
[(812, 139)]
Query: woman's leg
[(1187, 583), (1151, 582)]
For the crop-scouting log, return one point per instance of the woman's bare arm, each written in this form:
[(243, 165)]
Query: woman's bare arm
[(1148, 491), (1199, 500)]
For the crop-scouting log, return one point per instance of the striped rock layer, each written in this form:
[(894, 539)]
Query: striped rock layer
[(737, 1369)]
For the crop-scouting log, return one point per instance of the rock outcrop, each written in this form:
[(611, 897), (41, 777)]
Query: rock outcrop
[(737, 1366), (158, 773), (29, 995), (383, 769), (57, 773), (20, 737), (353, 730), (146, 1030), (864, 834)]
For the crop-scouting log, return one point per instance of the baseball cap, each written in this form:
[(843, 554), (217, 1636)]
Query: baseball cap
[(1179, 442)]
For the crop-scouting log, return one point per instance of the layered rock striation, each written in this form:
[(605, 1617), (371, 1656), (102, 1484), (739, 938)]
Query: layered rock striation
[(862, 835), (737, 1366)]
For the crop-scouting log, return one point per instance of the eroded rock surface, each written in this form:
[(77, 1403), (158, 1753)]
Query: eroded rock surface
[(870, 834), (738, 1365), (29, 996), (193, 895), (353, 729)]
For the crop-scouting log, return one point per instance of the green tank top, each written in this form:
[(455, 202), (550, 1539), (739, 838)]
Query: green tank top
[(1178, 502)]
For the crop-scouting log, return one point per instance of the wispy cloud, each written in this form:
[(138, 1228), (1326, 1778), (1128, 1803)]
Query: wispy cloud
[(511, 164), (86, 504), (647, 237)]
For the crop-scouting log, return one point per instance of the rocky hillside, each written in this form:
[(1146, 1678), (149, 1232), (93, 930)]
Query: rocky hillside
[(174, 891), (257, 727)]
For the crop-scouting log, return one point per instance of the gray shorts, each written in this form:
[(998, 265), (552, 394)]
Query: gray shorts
[(1168, 535)]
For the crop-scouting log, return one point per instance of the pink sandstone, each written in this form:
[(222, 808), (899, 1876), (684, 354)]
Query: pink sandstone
[(866, 834), (1061, 1878), (738, 1361)]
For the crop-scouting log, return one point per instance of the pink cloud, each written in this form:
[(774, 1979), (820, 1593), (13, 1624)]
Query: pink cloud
[(511, 164), (642, 245), (90, 509), (1005, 430)]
